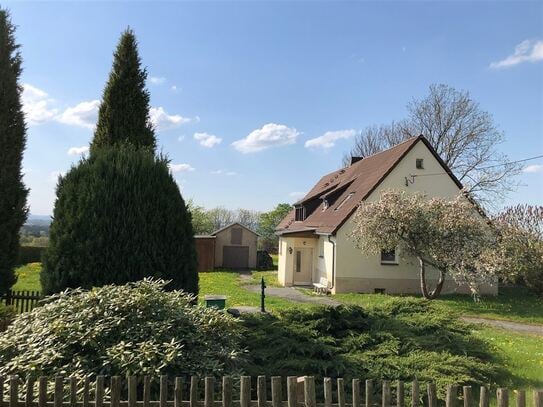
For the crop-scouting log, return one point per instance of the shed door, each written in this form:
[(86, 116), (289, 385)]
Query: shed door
[(236, 257)]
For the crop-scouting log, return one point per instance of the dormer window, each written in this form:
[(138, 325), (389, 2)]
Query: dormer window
[(299, 214), (419, 164), (344, 201), (324, 204)]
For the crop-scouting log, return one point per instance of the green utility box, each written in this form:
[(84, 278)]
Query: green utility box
[(215, 301)]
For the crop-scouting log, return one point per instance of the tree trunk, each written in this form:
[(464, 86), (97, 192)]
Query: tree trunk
[(430, 295)]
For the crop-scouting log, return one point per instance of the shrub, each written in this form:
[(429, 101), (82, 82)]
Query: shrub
[(405, 339), (119, 217), (6, 316), (133, 329)]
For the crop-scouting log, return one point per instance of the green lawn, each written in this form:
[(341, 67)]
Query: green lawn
[(28, 278)]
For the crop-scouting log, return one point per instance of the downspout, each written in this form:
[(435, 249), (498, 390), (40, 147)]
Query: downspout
[(333, 262)]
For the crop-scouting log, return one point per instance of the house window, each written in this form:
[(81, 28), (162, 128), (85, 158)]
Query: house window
[(280, 246), (380, 291), (299, 214), (321, 246), (235, 235), (344, 200), (420, 164), (324, 204), (298, 261), (389, 257)]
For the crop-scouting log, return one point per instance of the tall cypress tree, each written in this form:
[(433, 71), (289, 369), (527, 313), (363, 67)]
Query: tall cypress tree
[(124, 112), (13, 209)]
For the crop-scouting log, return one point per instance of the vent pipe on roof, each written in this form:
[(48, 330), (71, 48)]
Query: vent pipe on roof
[(356, 159)]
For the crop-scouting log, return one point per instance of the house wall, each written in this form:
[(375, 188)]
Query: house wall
[(248, 238), (285, 273), (358, 272)]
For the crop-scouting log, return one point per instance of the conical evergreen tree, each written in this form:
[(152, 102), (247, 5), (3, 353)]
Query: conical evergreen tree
[(124, 112), (13, 209)]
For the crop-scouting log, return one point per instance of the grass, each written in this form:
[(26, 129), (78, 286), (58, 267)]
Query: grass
[(28, 277)]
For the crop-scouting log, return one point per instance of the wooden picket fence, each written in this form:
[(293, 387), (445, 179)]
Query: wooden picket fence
[(300, 392), (21, 301)]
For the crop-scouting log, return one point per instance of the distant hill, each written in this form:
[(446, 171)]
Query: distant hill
[(38, 220), (36, 225)]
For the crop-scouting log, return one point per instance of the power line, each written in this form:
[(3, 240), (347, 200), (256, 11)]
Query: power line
[(482, 168)]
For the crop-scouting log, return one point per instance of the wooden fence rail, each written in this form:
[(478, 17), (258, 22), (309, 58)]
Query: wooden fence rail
[(300, 392), (21, 301)]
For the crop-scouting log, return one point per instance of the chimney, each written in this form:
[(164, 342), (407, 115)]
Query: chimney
[(355, 159)]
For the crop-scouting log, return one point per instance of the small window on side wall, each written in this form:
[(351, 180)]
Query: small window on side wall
[(389, 257), (419, 164)]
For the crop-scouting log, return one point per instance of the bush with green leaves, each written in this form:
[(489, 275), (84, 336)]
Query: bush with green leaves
[(406, 339), (119, 217), (133, 329)]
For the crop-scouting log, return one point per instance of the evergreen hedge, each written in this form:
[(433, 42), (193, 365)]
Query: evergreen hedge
[(119, 217)]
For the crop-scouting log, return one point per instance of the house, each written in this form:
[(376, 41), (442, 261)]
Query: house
[(315, 247), (233, 246)]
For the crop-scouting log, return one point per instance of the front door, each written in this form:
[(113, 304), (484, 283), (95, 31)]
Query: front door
[(303, 266)]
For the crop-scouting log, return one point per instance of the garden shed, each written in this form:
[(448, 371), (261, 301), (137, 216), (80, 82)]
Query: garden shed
[(235, 247)]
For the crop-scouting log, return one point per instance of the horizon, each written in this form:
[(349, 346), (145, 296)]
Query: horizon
[(242, 93)]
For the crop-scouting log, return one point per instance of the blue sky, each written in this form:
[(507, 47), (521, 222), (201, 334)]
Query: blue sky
[(238, 88)]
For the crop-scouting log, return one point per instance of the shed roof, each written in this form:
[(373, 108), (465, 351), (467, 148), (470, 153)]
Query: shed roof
[(230, 225)]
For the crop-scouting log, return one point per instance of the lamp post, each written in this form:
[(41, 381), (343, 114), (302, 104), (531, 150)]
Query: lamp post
[(262, 295)]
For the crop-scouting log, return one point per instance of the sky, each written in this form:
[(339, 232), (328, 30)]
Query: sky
[(254, 101)]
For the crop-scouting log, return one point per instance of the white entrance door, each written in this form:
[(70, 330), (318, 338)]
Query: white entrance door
[(303, 266)]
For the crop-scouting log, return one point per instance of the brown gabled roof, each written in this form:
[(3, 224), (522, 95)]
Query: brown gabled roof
[(353, 184)]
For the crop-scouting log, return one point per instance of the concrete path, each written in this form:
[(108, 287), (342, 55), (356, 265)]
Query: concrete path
[(516, 327), (292, 294)]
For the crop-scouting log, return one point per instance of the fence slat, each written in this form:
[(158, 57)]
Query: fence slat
[(29, 395), (1, 384), (327, 392), (538, 398), (209, 391), (146, 391), (415, 393), (261, 391), (133, 390), (340, 392), (356, 392), (99, 392), (115, 391), (227, 391), (521, 398), (245, 391), (369, 393), (466, 393), (292, 391), (432, 395), (42, 391), (86, 392), (386, 394), (178, 392), (163, 397), (13, 391), (400, 394), (309, 391), (193, 391), (502, 394), (452, 392), (73, 391), (277, 396), (59, 391)]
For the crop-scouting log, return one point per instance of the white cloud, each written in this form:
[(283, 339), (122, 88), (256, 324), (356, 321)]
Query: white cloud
[(532, 169), (526, 51), (37, 105), (328, 139), (78, 150), (175, 89), (164, 121), (270, 135), (181, 168), (224, 172), (157, 80), (83, 114), (207, 140)]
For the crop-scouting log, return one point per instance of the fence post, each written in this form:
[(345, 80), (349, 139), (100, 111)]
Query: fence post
[(261, 395), (29, 395), (432, 395), (309, 391), (245, 391), (292, 387), (133, 391), (521, 398), (73, 392), (178, 392), (483, 397), (227, 391), (400, 394), (86, 386), (59, 391), (327, 392), (193, 391), (99, 398), (538, 398), (503, 397), (277, 396), (356, 393), (369, 393), (13, 391), (115, 391), (209, 392), (466, 392), (415, 393), (340, 392), (452, 392), (386, 394), (42, 391)]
